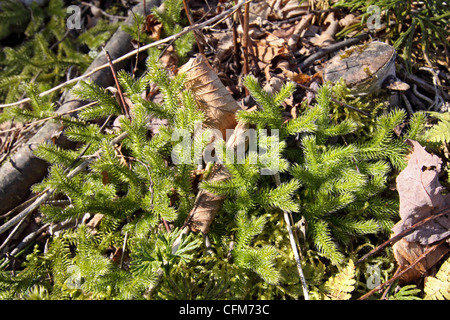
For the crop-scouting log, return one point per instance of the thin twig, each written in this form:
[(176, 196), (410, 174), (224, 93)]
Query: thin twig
[(134, 52), (404, 233), (334, 47), (86, 147), (20, 206), (10, 236), (114, 73), (191, 23), (30, 237), (399, 274), (294, 245), (104, 12), (245, 39), (24, 213), (49, 191), (124, 247), (138, 40), (407, 104)]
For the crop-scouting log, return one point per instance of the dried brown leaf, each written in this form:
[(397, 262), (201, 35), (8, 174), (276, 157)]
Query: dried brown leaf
[(326, 38), (94, 223), (298, 31), (206, 203), (211, 95), (421, 195), (153, 27), (219, 107), (406, 253), (349, 20), (285, 9)]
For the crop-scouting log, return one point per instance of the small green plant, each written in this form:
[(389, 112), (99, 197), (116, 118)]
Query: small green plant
[(440, 132), (337, 187), (438, 287), (46, 55), (173, 19)]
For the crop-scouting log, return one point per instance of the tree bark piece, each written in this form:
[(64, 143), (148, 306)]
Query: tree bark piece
[(24, 169)]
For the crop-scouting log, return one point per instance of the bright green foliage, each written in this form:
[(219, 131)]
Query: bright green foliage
[(408, 292), (440, 132), (13, 15), (45, 57), (270, 113), (98, 35), (135, 185), (173, 19), (340, 183), (373, 105), (141, 189), (438, 287), (342, 285), (38, 110)]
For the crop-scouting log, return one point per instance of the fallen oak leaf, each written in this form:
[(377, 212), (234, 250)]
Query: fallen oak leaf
[(420, 197)]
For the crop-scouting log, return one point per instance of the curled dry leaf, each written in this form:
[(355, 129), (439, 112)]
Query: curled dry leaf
[(268, 48), (299, 30), (219, 107), (94, 223), (153, 27), (326, 38), (211, 95), (206, 203), (282, 9), (421, 195), (349, 20), (406, 253)]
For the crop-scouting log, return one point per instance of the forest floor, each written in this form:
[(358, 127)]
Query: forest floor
[(276, 41)]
